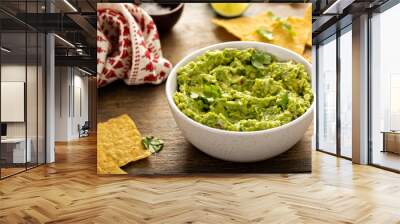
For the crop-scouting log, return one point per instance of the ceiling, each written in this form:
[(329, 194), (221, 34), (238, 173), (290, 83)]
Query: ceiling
[(57, 5), (72, 20), (332, 15)]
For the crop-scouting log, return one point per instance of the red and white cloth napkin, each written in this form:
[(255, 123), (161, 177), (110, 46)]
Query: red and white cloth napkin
[(128, 46)]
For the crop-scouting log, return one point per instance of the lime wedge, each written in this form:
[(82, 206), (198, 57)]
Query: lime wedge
[(229, 9)]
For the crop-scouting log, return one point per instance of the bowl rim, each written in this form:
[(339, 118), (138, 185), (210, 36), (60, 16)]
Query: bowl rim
[(178, 7), (240, 44)]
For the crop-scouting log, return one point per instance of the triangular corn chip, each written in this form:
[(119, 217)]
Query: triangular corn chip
[(118, 143)]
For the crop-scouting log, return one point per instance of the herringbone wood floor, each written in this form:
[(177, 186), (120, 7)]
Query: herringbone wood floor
[(69, 191)]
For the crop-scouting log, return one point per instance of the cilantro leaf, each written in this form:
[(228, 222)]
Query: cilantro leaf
[(265, 34), (283, 23), (284, 100), (271, 14), (153, 144), (286, 26), (211, 91), (260, 59)]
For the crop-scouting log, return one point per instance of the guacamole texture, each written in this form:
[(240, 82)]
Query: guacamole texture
[(242, 90)]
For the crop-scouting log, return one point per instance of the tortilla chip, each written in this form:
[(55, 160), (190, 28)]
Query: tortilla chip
[(301, 36), (106, 165), (118, 143), (242, 26), (281, 37), (245, 28), (309, 41), (308, 22), (307, 54)]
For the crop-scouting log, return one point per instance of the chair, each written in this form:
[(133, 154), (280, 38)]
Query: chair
[(84, 130)]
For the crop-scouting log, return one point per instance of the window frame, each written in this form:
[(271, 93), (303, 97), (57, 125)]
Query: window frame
[(30, 30), (339, 32), (378, 10)]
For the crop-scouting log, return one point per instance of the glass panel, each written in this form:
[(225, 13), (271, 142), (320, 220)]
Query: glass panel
[(41, 99), (31, 98), (23, 82), (346, 94), (13, 86), (385, 89), (314, 80), (32, 89), (327, 96)]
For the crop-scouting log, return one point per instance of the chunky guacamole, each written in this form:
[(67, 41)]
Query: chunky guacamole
[(242, 90)]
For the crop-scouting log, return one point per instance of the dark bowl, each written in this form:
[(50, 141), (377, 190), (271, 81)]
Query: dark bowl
[(166, 21)]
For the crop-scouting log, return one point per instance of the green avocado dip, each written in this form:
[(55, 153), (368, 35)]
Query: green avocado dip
[(242, 90)]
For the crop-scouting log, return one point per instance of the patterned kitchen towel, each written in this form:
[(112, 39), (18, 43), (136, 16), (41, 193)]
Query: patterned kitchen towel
[(128, 46)]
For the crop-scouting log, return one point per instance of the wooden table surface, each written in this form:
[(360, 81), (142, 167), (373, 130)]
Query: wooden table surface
[(148, 107)]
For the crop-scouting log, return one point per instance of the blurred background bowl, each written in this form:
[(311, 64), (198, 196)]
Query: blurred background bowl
[(164, 20)]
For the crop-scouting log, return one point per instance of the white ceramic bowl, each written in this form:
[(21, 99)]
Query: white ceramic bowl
[(233, 145)]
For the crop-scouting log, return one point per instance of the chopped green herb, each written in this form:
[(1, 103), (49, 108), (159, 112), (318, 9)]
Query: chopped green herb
[(288, 28), (153, 144), (283, 102), (264, 33), (261, 59), (285, 25), (270, 14), (211, 91)]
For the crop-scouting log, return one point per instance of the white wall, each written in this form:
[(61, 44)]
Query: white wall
[(80, 102), (62, 81), (70, 83), (12, 73), (33, 127)]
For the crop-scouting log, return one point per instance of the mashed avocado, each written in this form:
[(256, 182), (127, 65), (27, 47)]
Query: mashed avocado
[(242, 90)]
